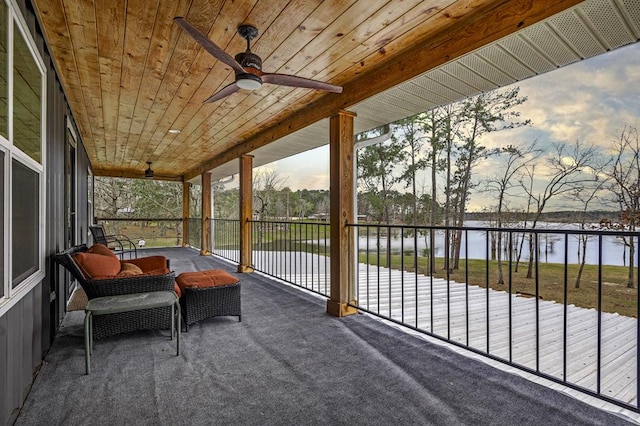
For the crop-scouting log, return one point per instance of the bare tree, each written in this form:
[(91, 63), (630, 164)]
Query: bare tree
[(112, 195), (568, 169), (266, 185), (625, 185), (516, 160), (585, 195)]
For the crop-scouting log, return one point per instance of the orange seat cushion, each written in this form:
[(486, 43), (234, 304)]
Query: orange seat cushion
[(204, 279)]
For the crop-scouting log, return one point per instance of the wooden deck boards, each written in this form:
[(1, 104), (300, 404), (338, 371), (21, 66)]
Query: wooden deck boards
[(460, 312)]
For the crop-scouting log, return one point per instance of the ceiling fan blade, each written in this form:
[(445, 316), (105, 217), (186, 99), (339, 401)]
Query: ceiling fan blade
[(208, 45), (295, 81), (228, 90)]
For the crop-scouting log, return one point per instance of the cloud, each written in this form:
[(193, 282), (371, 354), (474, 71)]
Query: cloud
[(266, 168), (307, 170), (316, 181)]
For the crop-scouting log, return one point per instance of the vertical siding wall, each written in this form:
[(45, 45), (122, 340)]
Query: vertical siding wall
[(27, 330)]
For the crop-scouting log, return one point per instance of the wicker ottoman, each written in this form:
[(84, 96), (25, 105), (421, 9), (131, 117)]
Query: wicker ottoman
[(208, 294)]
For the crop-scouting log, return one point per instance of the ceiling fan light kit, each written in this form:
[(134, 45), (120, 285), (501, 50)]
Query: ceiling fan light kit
[(248, 81), (247, 66)]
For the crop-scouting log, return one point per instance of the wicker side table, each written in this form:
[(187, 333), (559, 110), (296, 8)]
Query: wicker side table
[(129, 303), (208, 294)]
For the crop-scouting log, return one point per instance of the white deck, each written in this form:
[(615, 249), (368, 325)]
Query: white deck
[(464, 308)]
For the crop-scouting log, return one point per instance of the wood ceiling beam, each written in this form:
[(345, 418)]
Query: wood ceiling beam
[(490, 23)]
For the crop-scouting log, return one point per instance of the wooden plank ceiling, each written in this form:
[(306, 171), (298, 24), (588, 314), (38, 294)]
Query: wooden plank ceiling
[(131, 74)]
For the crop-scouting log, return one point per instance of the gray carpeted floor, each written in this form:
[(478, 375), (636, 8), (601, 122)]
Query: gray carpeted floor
[(286, 363)]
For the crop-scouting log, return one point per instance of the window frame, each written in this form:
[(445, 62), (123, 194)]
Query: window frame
[(5, 223), (11, 295)]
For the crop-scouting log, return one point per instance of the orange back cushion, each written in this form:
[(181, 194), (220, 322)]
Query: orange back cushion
[(101, 249), (96, 261)]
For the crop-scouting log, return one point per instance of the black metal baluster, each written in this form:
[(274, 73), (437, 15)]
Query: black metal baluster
[(565, 307), (599, 357), (466, 290), (448, 271), (415, 270), (402, 273), (378, 264), (510, 295), (389, 266), (637, 328), (537, 281), (486, 283), (368, 261)]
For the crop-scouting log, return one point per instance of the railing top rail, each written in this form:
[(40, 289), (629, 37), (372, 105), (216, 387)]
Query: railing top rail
[(616, 233), (283, 222), (139, 219)]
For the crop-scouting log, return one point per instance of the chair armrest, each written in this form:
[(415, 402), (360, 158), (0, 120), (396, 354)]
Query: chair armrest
[(65, 258), (149, 263), (128, 285)]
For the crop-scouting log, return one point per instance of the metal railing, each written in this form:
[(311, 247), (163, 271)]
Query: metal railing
[(295, 252), (511, 296), (226, 238), (146, 232), (194, 237), (536, 320)]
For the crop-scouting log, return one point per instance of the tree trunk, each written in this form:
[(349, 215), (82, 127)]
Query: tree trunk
[(494, 242), (582, 256), (632, 252), (499, 259), (531, 254)]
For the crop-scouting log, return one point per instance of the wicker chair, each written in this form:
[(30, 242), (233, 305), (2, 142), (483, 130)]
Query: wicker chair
[(108, 325)]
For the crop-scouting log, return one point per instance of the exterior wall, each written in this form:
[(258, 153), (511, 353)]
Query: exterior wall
[(28, 328)]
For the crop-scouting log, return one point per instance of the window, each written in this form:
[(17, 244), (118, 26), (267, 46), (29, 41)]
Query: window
[(22, 153), (89, 197), (2, 251), (25, 208), (27, 99), (3, 73)]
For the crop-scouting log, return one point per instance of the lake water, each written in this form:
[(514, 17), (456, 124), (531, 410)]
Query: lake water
[(551, 246)]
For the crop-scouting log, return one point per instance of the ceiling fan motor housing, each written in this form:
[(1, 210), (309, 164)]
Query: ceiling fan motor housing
[(248, 59), (148, 173)]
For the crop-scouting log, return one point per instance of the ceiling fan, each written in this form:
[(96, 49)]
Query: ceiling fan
[(248, 66), (149, 172)]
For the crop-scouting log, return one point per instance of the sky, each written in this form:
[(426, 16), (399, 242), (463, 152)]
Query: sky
[(589, 101)]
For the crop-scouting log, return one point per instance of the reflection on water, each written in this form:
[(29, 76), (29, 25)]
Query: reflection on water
[(551, 247)]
